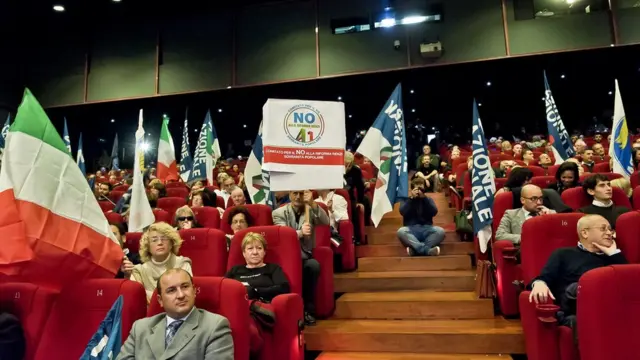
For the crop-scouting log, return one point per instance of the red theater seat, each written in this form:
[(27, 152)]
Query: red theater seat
[(106, 205), (225, 297), (171, 204), (31, 304), (116, 195), (207, 249), (628, 236), (80, 309), (507, 269), (576, 198), (261, 215), (178, 192), (123, 187), (133, 241), (609, 313), (544, 339), (359, 218), (609, 175), (537, 170), (207, 216), (543, 181), (283, 248), (323, 232), (114, 218), (162, 216), (175, 185)]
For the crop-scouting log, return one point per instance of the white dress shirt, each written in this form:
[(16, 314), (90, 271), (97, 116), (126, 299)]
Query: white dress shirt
[(339, 208), (171, 320)]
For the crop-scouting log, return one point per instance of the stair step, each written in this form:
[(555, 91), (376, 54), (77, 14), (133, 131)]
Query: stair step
[(418, 263), (446, 248), (389, 237), (405, 356), (485, 336), (413, 305), (446, 280)]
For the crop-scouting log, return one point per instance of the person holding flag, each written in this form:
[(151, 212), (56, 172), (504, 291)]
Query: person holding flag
[(559, 140)]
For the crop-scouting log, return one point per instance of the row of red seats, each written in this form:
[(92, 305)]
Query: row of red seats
[(544, 339)]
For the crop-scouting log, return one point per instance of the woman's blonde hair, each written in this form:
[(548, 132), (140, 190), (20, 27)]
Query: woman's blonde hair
[(253, 237), (348, 156), (165, 230), (154, 181), (182, 210), (623, 184)]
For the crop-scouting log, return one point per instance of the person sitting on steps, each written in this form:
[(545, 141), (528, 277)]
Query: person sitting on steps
[(418, 234)]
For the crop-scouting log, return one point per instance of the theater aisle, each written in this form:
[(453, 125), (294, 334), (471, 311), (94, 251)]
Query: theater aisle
[(413, 308)]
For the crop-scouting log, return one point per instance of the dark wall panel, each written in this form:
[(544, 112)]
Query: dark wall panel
[(471, 30), (56, 67), (276, 42), (558, 33), (196, 53), (363, 51), (122, 61), (629, 25)]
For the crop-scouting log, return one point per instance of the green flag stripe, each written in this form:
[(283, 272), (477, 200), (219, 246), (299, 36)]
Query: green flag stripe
[(32, 120), (164, 134)]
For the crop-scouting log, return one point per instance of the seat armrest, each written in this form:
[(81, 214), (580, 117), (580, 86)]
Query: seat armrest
[(509, 253), (287, 331), (540, 330), (324, 301)]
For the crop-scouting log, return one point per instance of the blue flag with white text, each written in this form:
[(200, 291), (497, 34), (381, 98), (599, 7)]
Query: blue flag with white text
[(186, 162), (115, 161), (107, 341), (80, 157), (202, 168), (66, 138), (558, 135), (5, 131), (482, 183), (385, 144)]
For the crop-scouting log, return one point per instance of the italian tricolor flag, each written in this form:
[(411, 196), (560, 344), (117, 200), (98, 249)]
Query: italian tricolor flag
[(167, 165), (53, 231)]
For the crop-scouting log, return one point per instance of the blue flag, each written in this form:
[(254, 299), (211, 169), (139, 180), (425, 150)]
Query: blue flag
[(5, 131), (482, 182), (258, 181), (385, 144), (115, 161), (558, 135), (66, 138), (107, 341), (80, 157), (186, 163), (203, 162)]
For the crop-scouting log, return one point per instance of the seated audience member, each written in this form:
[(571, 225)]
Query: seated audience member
[(559, 277), (282, 197), (580, 146), (434, 160), (123, 204), (263, 281), (598, 188), (635, 156), (418, 234), (528, 158), (427, 172), (159, 247), (520, 177), (624, 185), (239, 219), (504, 168), (197, 185), (13, 345), (237, 196), (119, 231), (577, 162), (355, 187), (506, 146), (227, 184), (598, 152), (156, 187), (517, 151), (544, 161), (587, 160), (182, 332), (597, 138), (185, 219), (104, 189), (567, 177), (337, 206), (293, 216), (511, 223)]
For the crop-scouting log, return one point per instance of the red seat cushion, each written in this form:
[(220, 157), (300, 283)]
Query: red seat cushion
[(261, 215), (543, 181), (180, 191), (207, 249), (225, 297), (162, 216), (207, 216), (171, 204), (106, 205), (627, 235), (80, 309), (32, 305)]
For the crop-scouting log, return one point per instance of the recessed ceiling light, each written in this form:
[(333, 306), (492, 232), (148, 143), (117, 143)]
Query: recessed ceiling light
[(411, 91), (479, 104), (339, 98), (488, 83), (113, 120), (244, 126), (219, 110), (117, 0), (58, 8), (562, 76)]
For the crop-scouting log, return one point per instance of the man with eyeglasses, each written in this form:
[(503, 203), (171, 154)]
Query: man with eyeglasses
[(510, 227), (559, 278)]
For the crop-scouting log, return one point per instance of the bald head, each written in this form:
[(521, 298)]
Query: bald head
[(531, 198), (588, 221), (530, 190), (237, 196), (168, 272)]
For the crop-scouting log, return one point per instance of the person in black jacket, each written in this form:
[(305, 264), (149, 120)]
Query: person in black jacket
[(354, 183), (598, 188), (13, 344), (263, 281), (567, 177)]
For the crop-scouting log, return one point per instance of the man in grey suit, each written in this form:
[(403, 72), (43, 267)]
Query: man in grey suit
[(510, 227), (293, 216), (183, 332)]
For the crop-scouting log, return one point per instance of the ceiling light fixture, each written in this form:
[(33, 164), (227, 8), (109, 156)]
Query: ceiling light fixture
[(58, 8)]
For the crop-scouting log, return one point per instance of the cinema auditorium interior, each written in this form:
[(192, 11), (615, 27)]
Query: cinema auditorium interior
[(483, 203)]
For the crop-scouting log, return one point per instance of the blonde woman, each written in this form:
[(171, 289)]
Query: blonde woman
[(185, 219), (623, 184), (159, 249)]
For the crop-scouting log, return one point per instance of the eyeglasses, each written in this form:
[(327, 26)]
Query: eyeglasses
[(534, 198), (155, 240), (185, 218), (602, 228)]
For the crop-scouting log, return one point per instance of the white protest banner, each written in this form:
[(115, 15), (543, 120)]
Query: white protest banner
[(303, 144)]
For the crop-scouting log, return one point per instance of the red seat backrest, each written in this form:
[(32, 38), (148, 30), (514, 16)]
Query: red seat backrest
[(635, 179), (115, 195), (106, 205), (123, 187), (543, 181), (220, 202), (224, 297), (576, 198), (345, 194), (500, 183), (541, 236), (628, 235), (178, 192), (283, 248), (553, 169), (609, 288), (602, 167), (537, 170), (207, 249), (261, 215), (162, 216), (323, 232), (80, 309), (114, 218), (609, 175), (175, 185), (171, 204), (208, 217), (229, 203), (31, 304), (133, 241), (501, 203)]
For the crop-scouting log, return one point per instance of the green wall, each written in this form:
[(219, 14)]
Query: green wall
[(123, 58), (629, 25), (196, 53), (276, 42), (557, 33)]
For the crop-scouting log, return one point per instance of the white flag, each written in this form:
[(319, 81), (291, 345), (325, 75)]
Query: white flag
[(140, 213)]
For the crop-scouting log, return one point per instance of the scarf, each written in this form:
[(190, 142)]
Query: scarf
[(149, 272)]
